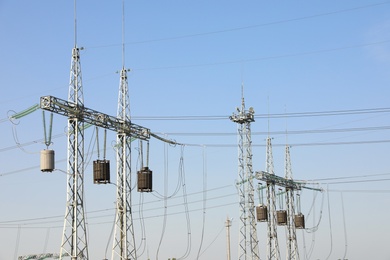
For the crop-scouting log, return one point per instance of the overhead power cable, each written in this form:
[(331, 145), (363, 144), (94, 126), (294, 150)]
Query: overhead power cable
[(254, 26), (292, 132), (272, 116), (226, 117)]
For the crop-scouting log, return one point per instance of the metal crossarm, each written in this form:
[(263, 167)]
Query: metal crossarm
[(93, 117), (41, 256), (279, 181)]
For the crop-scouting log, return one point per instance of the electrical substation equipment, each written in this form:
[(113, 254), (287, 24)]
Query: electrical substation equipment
[(300, 221), (261, 213), (281, 217), (261, 209), (144, 176), (47, 155), (299, 218), (145, 180), (101, 168), (47, 160), (101, 171)]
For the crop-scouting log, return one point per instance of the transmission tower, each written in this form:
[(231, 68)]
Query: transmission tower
[(124, 241), (272, 237), (124, 247), (292, 246), (74, 238), (245, 183)]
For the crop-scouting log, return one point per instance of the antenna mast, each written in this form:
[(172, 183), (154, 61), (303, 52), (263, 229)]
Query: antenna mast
[(74, 239), (124, 240), (245, 184)]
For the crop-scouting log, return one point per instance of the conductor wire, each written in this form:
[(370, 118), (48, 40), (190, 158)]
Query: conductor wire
[(182, 177), (204, 201), (345, 227), (330, 228)]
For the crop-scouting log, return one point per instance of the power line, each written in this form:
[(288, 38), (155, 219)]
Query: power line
[(291, 132), (348, 177), (265, 116), (288, 55), (255, 26), (271, 116), (349, 182), (235, 146)]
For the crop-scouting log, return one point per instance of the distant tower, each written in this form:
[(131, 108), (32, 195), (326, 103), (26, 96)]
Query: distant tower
[(245, 184), (292, 246), (74, 239), (228, 224), (272, 241), (124, 247)]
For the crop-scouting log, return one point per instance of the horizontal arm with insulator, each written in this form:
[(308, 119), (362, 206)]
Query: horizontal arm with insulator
[(282, 182), (93, 117)]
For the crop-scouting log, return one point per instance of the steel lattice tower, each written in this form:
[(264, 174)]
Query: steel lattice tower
[(74, 239), (292, 246), (124, 240), (272, 238), (245, 184)]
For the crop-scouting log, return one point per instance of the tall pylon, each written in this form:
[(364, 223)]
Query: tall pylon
[(273, 252), (245, 183), (124, 247), (74, 238), (292, 246), (124, 240)]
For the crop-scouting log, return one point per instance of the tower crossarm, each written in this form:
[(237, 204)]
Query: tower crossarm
[(41, 256), (279, 181), (93, 117), (282, 182)]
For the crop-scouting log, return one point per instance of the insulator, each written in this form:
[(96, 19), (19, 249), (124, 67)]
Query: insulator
[(262, 213), (281, 217), (101, 171), (144, 180), (47, 160)]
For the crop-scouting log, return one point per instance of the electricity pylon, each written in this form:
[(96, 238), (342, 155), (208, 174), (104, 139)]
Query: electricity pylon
[(245, 183), (292, 246), (124, 247), (272, 235), (74, 238), (124, 240)]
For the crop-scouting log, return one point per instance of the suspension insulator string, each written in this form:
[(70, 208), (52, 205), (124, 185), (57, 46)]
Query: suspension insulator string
[(47, 138), (50, 129), (105, 144), (97, 142), (147, 154), (141, 154)]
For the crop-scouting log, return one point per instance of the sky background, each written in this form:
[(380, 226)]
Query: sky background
[(318, 70)]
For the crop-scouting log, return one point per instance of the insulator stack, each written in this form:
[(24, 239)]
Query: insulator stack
[(300, 221), (47, 160), (281, 217), (261, 213), (101, 171), (144, 180)]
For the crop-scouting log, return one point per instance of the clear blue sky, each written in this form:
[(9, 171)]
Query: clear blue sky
[(190, 58)]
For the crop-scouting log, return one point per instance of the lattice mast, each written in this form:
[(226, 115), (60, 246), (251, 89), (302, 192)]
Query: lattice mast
[(245, 183), (124, 247), (292, 246), (272, 236), (74, 238)]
